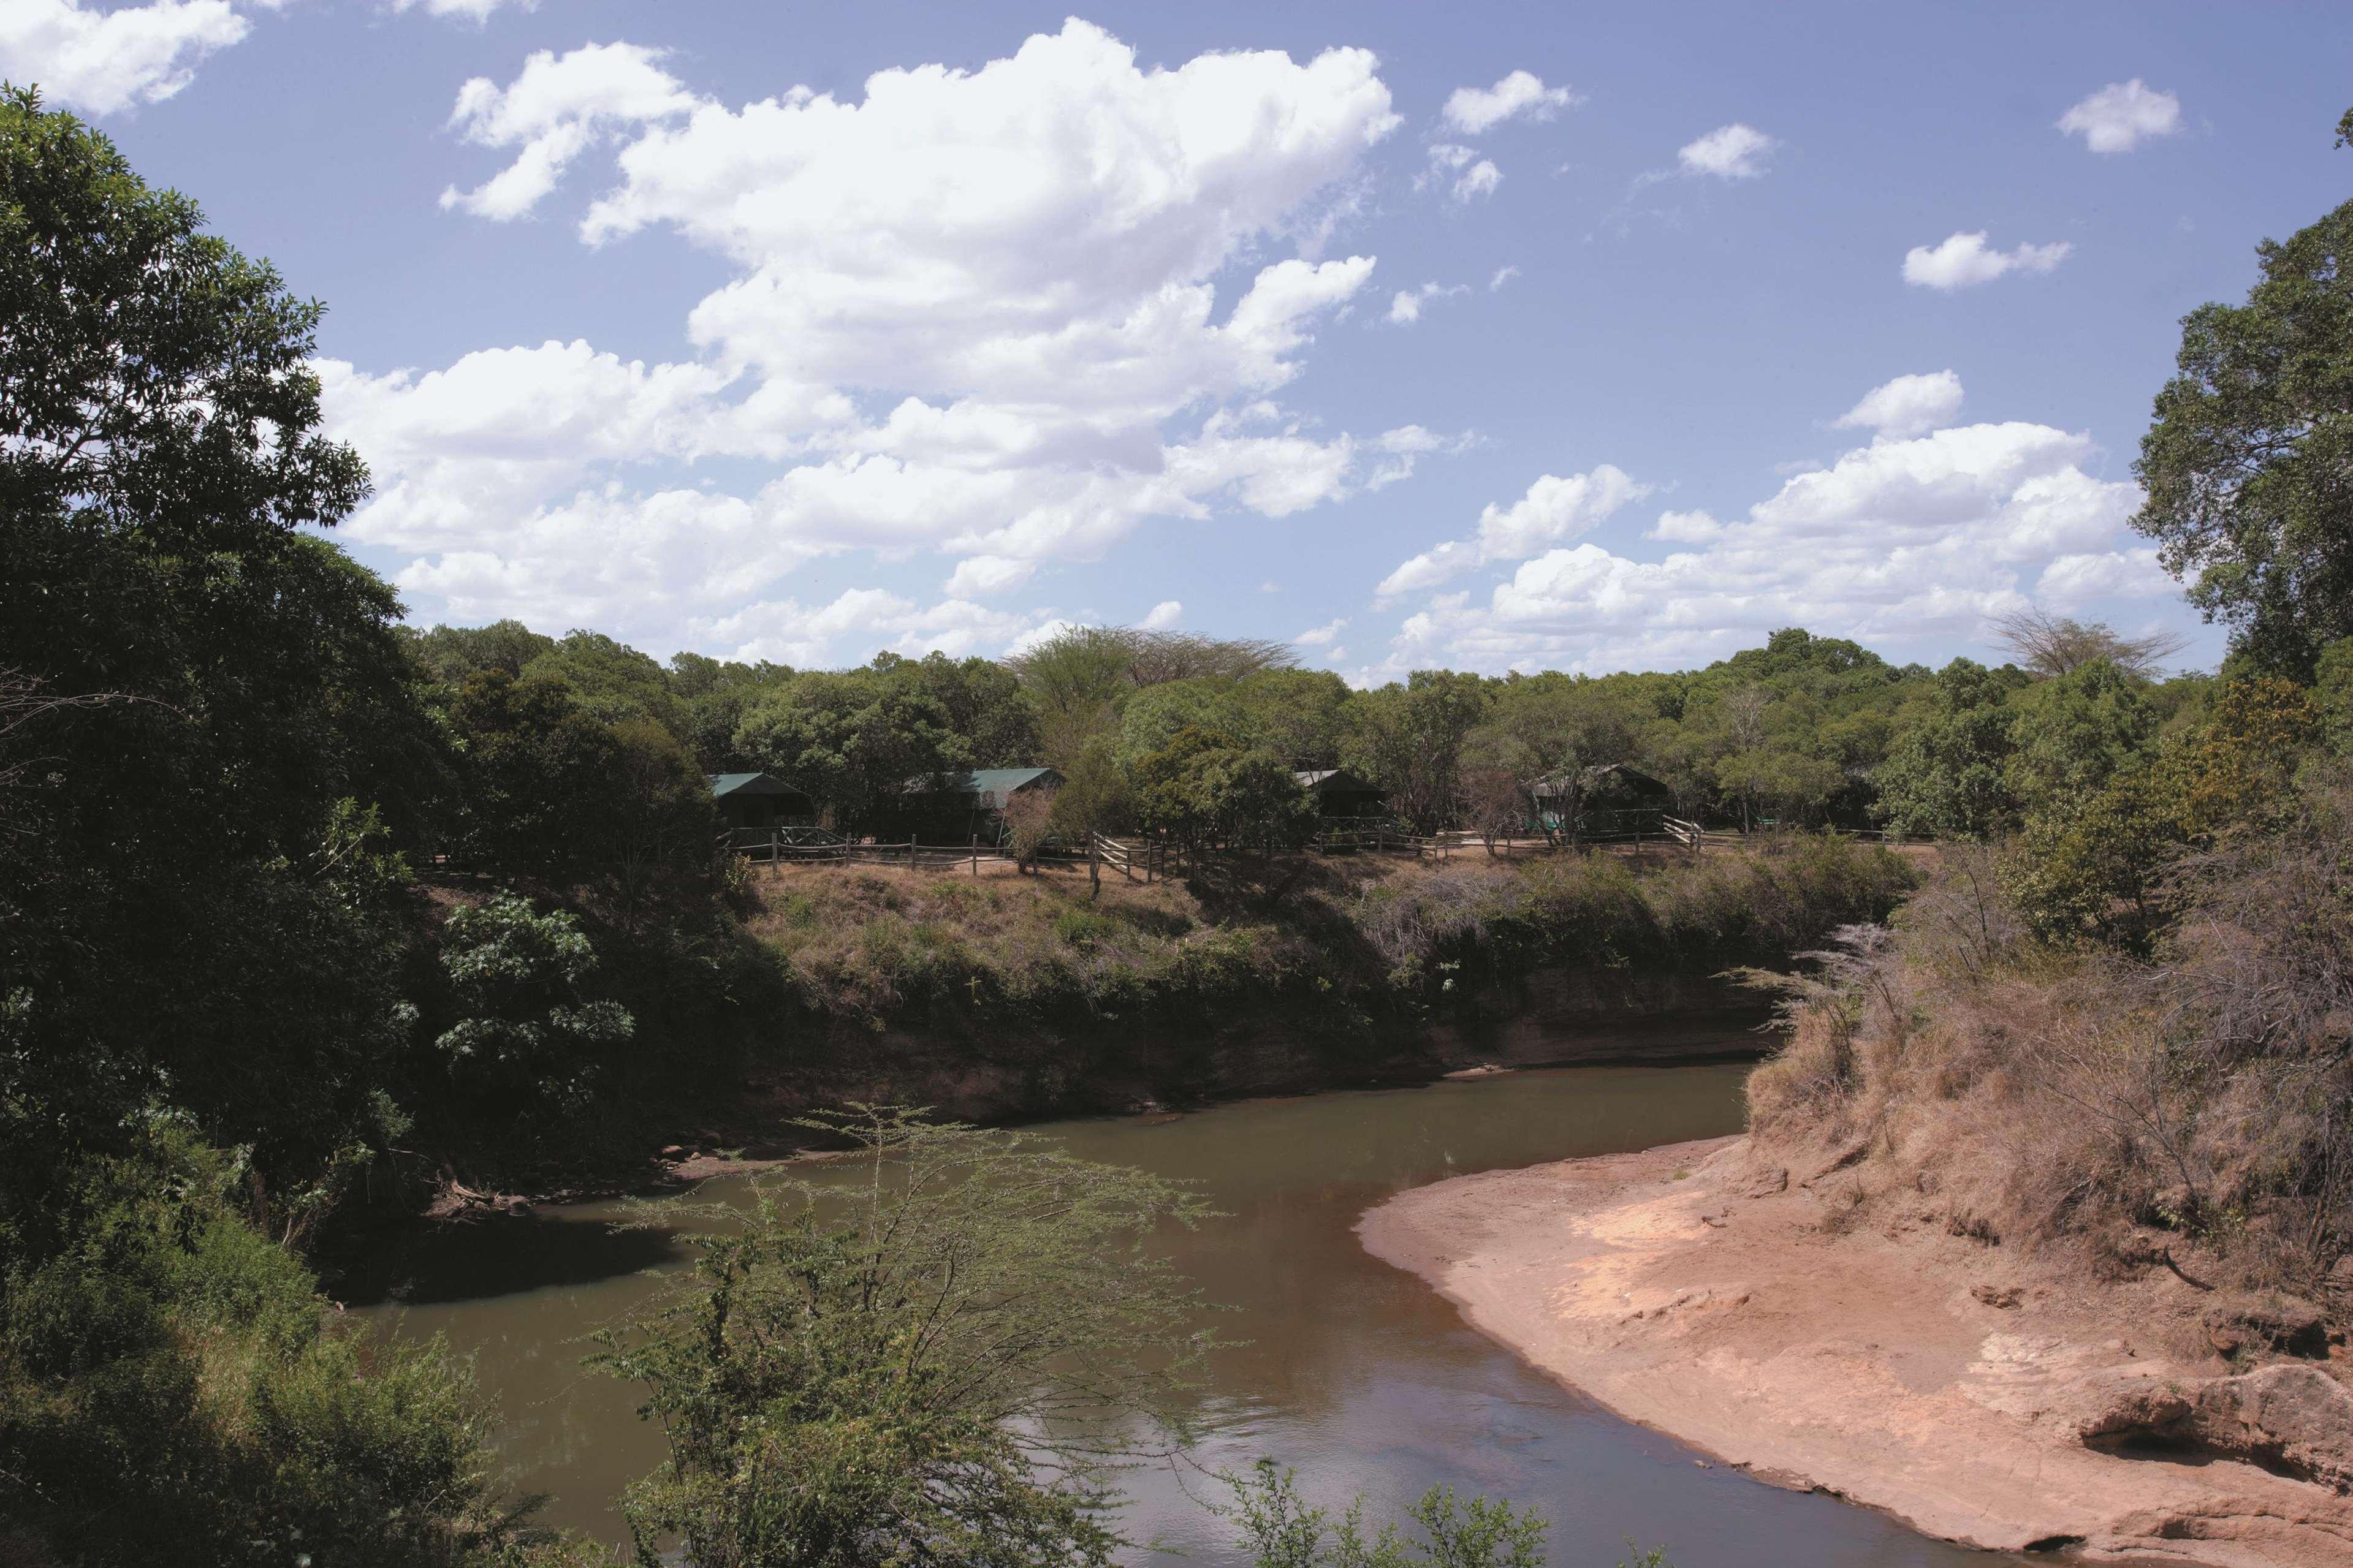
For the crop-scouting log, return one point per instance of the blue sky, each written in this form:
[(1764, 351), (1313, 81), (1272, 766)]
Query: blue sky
[(1505, 336)]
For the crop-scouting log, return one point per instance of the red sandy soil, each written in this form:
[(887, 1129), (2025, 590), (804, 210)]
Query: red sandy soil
[(1698, 1289)]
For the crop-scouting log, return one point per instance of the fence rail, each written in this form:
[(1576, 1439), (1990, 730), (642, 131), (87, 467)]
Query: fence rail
[(1143, 857)]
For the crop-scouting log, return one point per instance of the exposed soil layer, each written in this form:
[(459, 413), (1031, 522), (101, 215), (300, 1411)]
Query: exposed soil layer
[(1720, 1298)]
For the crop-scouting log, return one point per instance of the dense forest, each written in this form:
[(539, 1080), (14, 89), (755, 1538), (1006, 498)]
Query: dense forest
[(290, 890)]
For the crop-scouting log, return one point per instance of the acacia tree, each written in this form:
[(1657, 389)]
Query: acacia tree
[(2248, 462), (2050, 644), (936, 1355)]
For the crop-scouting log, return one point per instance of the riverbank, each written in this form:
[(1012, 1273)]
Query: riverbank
[(1730, 1302), (1022, 999)]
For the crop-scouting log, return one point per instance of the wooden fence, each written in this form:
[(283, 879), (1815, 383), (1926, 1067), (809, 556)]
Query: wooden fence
[(1143, 858)]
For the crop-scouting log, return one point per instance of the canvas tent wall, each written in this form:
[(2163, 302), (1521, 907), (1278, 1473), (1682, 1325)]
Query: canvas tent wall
[(1339, 792), (1613, 798), (957, 807), (761, 800)]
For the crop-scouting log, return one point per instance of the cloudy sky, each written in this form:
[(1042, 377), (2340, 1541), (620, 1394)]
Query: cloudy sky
[(1494, 337)]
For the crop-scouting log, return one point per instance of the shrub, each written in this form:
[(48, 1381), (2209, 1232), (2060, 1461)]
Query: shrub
[(169, 1393)]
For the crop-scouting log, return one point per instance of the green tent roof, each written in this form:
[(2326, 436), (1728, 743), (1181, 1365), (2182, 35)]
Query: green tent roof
[(996, 781), (751, 783)]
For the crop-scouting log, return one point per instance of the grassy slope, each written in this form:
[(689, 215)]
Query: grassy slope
[(1373, 939)]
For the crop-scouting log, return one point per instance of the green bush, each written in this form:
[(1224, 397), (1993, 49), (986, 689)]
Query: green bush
[(169, 1391)]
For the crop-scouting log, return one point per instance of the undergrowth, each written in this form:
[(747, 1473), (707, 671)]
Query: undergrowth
[(2194, 1102), (1368, 937)]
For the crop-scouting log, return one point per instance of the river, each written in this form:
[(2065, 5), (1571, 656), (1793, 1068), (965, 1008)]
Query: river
[(1354, 1372)]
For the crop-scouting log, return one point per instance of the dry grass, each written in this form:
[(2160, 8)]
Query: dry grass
[(1362, 933), (2197, 1104)]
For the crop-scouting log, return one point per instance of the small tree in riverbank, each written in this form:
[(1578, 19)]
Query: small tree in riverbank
[(941, 1359), (1280, 1531)]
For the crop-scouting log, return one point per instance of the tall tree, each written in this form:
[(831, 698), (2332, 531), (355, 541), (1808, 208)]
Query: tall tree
[(1409, 739), (199, 923), (165, 866), (2248, 462)]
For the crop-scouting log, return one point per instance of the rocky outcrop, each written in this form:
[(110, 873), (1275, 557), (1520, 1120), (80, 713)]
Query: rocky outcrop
[(2290, 1419)]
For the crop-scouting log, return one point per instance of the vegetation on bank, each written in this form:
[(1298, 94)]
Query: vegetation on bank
[(1372, 942), (2118, 1023), (2128, 1035)]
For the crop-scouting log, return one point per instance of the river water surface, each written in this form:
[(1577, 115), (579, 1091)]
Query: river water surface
[(1355, 1373)]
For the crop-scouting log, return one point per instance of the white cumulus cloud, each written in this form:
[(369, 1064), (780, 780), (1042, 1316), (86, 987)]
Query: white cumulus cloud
[(973, 312), (1479, 179), (553, 111), (1405, 305), (1906, 406), (1733, 152), (475, 11), (1553, 509), (1896, 542), (1324, 635), (1964, 260), (105, 61), (2121, 115), (1473, 110), (1163, 615)]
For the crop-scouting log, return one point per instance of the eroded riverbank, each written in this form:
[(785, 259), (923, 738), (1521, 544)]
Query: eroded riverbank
[(1703, 1291)]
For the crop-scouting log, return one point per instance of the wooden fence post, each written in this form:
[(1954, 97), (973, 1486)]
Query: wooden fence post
[(976, 854)]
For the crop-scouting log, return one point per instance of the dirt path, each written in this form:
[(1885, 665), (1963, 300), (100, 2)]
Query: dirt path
[(1699, 1292)]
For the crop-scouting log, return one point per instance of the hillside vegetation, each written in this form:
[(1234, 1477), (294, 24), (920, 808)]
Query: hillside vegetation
[(2117, 1024), (1375, 942)]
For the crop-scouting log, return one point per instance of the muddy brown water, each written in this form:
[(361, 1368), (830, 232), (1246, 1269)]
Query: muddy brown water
[(1354, 1372)]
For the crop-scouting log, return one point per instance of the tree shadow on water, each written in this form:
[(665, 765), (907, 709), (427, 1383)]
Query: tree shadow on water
[(503, 1255)]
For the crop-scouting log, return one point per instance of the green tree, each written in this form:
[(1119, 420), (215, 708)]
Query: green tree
[(2332, 696), (2073, 734), (1154, 716), (1543, 729), (206, 722), (854, 740), (551, 790), (612, 681), (1298, 714), (936, 1356), (206, 692), (2248, 461), (529, 1028), (1205, 788), (1409, 739), (169, 1393), (714, 695), (1279, 1529), (983, 703), (1946, 775), (1095, 798), (1080, 679), (451, 654)]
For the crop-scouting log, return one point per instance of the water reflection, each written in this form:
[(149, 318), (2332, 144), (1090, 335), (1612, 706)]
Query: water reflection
[(1354, 1372)]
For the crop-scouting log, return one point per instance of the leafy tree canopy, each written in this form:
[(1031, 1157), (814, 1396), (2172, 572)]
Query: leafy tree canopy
[(2248, 461)]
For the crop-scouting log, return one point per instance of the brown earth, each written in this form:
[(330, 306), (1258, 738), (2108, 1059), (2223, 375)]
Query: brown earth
[(2001, 1402)]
